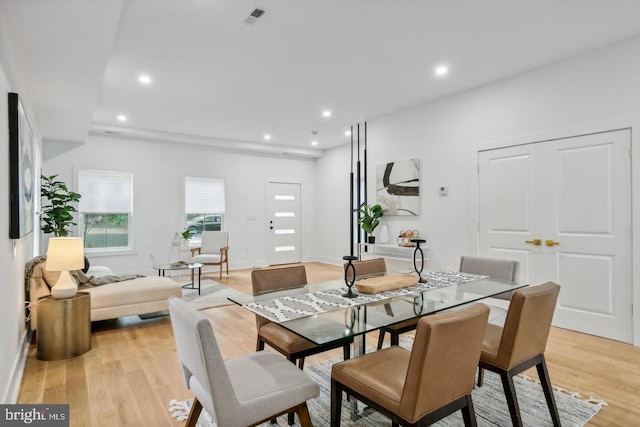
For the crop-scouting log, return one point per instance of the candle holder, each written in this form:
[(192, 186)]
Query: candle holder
[(350, 283), (415, 258)]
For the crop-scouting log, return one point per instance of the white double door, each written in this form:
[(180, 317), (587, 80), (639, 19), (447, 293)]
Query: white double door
[(563, 209)]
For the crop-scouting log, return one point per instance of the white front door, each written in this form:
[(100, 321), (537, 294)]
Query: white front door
[(562, 208), (283, 223)]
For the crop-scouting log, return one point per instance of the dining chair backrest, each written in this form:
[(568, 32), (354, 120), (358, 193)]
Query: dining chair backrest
[(497, 268), (274, 279), (200, 357), (367, 267), (213, 241), (443, 359), (526, 327)]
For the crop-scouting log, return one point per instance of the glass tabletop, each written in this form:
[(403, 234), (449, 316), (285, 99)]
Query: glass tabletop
[(359, 319), (178, 266)]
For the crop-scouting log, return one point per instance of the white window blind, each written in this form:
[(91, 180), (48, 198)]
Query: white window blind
[(105, 191), (203, 195)]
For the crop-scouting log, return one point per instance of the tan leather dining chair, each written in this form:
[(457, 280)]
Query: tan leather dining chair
[(213, 250), (520, 344), (291, 345), (243, 391), (418, 387)]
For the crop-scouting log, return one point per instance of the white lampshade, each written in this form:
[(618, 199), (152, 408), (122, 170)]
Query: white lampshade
[(65, 254)]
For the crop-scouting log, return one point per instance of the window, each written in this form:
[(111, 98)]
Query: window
[(203, 204), (106, 209)]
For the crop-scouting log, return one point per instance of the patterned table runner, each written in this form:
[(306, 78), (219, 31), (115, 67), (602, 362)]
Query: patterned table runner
[(298, 306)]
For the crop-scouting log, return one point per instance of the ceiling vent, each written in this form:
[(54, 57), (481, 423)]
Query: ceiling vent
[(254, 16)]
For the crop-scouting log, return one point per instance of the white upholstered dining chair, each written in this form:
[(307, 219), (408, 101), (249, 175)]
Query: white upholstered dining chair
[(242, 391)]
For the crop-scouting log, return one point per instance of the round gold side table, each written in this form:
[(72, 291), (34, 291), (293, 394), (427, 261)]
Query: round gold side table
[(64, 327)]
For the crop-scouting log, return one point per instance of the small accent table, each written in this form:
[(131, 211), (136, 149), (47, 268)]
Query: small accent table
[(175, 266), (64, 327)]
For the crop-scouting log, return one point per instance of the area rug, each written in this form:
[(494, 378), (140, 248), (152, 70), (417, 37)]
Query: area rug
[(212, 294), (489, 403)]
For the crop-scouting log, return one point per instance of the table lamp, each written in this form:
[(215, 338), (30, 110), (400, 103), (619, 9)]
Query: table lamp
[(65, 254)]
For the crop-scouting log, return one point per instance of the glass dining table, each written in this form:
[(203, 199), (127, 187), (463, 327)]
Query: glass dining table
[(333, 317)]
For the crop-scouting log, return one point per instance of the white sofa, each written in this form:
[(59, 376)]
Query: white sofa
[(109, 301)]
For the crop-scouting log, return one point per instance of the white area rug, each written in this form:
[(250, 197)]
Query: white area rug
[(489, 403), (213, 294)]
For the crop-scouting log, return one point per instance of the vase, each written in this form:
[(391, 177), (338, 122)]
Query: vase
[(383, 234)]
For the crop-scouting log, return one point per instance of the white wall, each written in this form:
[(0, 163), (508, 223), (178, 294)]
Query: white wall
[(13, 256), (576, 95), (159, 169)]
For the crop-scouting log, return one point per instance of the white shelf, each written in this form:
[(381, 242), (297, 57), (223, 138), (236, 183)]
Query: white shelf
[(392, 251)]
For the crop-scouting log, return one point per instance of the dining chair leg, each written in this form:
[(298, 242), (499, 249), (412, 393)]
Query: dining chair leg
[(480, 376), (395, 338), (303, 415), (380, 338), (469, 413), (259, 344), (194, 413), (512, 399), (336, 403), (300, 363), (545, 381)]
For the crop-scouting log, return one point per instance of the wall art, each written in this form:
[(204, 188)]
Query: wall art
[(398, 187), (21, 170)]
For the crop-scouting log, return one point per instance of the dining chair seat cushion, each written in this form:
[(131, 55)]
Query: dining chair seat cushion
[(380, 376), (206, 258), (491, 343), (259, 390), (284, 338)]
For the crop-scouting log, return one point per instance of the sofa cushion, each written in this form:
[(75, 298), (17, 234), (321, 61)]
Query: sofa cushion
[(143, 289)]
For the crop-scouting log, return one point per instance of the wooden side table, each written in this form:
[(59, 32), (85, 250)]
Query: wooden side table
[(64, 327)]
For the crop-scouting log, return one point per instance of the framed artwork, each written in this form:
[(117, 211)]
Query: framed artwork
[(398, 187), (21, 170)]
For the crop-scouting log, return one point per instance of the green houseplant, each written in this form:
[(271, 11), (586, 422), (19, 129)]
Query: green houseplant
[(58, 206), (189, 232), (369, 219)]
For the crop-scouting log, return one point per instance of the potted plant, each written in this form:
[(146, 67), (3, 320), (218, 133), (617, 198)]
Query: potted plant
[(189, 232), (57, 211), (369, 219)]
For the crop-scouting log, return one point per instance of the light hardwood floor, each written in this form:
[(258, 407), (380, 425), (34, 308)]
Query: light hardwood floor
[(132, 370)]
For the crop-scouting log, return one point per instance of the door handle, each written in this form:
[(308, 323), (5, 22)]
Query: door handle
[(536, 242), (552, 243)]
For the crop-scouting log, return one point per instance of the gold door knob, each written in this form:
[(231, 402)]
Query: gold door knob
[(536, 242), (552, 243)]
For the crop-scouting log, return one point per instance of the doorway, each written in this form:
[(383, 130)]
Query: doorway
[(283, 223), (563, 209)]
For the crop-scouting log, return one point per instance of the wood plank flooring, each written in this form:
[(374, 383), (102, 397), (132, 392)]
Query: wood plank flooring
[(132, 370)]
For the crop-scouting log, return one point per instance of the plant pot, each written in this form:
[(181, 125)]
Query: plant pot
[(371, 239)]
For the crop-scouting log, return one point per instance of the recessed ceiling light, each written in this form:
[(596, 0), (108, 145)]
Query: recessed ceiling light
[(122, 118), (267, 137), (314, 143), (145, 79), (326, 113), (441, 70), (347, 132)]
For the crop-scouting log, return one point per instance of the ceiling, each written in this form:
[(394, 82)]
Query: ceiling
[(219, 81)]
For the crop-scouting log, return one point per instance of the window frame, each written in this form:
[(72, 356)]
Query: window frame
[(133, 229)]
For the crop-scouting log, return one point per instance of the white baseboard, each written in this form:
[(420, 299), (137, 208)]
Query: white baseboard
[(10, 393)]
